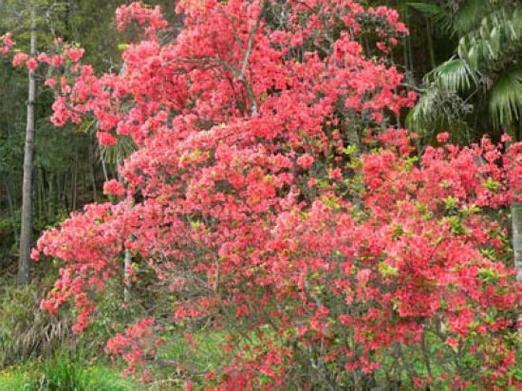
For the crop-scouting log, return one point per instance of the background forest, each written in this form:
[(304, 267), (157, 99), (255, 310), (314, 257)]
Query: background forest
[(462, 57)]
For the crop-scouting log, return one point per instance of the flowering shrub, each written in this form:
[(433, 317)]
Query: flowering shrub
[(134, 345), (6, 43), (271, 195)]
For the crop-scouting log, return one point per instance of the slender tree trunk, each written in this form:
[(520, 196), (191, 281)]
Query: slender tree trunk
[(92, 172), (51, 199), (40, 193), (405, 53), (127, 264), (104, 167), (410, 55), (429, 31), (59, 196), (27, 226), (74, 180), (127, 258), (45, 192), (64, 189)]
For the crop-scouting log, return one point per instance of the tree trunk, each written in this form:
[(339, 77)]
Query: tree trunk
[(127, 258), (65, 195), (104, 167), (74, 183), (127, 264), (24, 261), (429, 31), (92, 171), (516, 217), (50, 197), (40, 194)]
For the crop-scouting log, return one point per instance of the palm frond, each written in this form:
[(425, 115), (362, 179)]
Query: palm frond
[(505, 98), (115, 154), (428, 9), (88, 126), (469, 15), (496, 40), (441, 17), (436, 110), (453, 75)]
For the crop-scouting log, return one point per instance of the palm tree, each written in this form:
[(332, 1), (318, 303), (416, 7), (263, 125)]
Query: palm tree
[(480, 86)]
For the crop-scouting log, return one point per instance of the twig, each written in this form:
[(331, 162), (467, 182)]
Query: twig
[(246, 57)]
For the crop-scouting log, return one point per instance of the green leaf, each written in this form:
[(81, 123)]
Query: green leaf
[(488, 275), (491, 184), (440, 17), (427, 9), (469, 15), (453, 75), (505, 98), (387, 270), (450, 203), (120, 151)]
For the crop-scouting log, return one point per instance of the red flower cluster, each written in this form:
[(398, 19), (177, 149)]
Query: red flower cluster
[(20, 58), (6, 43), (134, 345), (113, 187)]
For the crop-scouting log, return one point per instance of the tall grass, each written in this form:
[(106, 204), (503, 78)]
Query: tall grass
[(64, 373), (25, 331)]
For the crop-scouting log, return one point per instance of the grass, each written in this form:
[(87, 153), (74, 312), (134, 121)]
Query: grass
[(61, 374), (206, 353), (66, 372)]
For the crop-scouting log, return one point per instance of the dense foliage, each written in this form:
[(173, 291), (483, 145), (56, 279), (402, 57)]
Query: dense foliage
[(267, 200), (480, 87), (273, 197)]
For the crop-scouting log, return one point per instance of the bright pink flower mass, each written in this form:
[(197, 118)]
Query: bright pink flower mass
[(269, 175)]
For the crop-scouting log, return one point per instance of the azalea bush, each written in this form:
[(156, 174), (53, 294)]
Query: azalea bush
[(274, 197)]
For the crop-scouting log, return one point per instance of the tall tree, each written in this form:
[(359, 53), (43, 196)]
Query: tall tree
[(24, 261)]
